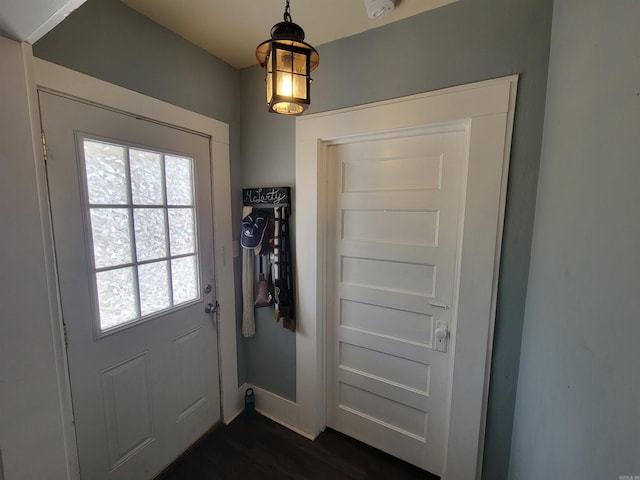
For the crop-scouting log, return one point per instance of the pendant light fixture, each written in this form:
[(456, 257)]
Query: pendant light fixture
[(288, 62)]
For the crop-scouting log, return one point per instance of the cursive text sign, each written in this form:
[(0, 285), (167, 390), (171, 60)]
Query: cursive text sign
[(266, 196)]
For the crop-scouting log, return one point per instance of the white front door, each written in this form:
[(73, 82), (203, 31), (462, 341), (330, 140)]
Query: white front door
[(393, 243), (133, 230)]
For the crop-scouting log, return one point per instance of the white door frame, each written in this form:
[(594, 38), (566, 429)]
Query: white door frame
[(488, 107), (74, 84)]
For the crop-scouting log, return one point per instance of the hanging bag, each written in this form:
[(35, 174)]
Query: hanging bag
[(262, 297)]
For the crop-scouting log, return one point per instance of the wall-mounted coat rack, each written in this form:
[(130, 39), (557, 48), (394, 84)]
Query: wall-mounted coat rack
[(265, 234)]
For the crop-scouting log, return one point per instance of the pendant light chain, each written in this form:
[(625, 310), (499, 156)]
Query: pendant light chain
[(287, 14)]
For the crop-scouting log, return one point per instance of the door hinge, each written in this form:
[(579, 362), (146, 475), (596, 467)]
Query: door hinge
[(44, 146)]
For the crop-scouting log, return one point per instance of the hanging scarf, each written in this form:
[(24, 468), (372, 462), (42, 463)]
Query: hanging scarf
[(282, 271)]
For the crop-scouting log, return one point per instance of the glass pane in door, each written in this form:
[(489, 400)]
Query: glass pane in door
[(141, 209)]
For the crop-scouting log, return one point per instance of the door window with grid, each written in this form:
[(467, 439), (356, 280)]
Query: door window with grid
[(141, 209)]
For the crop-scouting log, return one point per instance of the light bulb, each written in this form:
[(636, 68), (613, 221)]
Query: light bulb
[(285, 88)]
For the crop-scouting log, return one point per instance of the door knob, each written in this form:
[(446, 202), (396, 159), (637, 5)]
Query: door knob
[(441, 333), (211, 308)]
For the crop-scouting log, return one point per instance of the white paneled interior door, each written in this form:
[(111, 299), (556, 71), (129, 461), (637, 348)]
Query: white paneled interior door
[(133, 226), (395, 204)]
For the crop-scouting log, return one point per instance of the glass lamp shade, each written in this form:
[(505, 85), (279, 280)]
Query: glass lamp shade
[(288, 63), (287, 79)]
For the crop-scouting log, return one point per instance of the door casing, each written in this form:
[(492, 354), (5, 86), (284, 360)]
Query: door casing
[(488, 107)]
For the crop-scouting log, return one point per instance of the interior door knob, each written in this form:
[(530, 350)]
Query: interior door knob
[(441, 332)]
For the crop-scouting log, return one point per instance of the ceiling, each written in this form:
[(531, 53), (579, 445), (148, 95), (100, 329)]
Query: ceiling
[(30, 20), (229, 29)]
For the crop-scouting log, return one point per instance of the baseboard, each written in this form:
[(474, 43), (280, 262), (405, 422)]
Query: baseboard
[(286, 425), (279, 409)]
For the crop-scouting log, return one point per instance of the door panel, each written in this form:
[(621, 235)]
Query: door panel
[(142, 353), (128, 410), (393, 256)]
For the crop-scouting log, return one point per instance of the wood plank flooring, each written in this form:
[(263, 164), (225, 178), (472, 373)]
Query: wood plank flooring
[(258, 448)]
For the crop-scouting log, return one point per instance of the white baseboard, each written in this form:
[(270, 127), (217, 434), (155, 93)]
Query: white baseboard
[(279, 409)]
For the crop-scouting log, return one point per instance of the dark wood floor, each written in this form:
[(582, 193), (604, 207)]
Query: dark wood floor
[(258, 448)]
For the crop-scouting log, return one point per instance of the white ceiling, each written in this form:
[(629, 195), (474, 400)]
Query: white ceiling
[(232, 29), (229, 29), (30, 20)]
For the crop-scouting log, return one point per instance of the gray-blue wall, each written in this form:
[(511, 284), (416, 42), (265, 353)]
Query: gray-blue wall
[(464, 42), (108, 40), (578, 402)]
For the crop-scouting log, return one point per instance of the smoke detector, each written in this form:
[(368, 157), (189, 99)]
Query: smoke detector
[(378, 8)]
